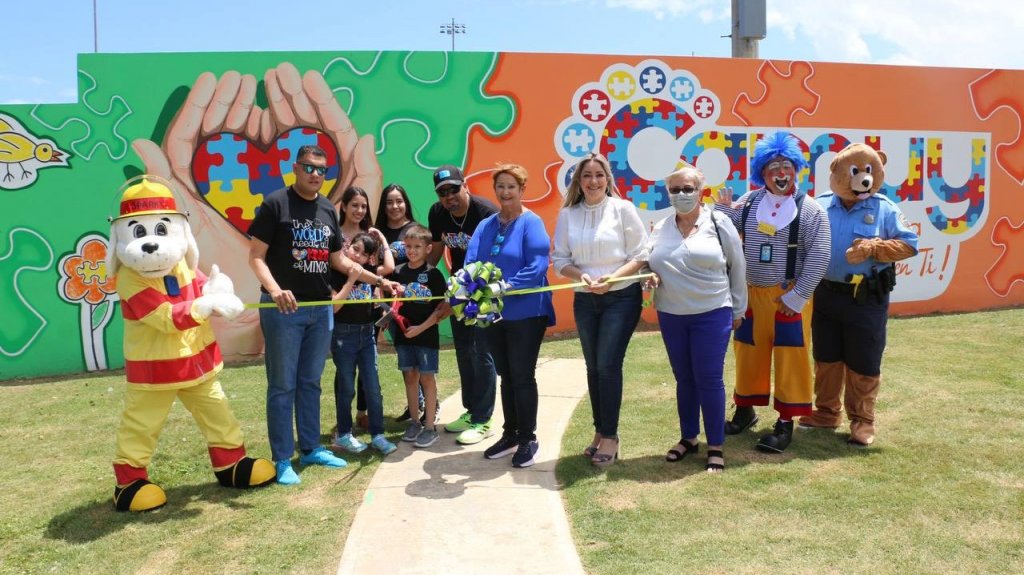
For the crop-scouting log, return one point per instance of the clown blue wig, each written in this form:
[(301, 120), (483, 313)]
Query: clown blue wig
[(772, 146)]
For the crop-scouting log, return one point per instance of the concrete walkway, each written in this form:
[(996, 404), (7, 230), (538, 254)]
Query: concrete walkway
[(448, 510)]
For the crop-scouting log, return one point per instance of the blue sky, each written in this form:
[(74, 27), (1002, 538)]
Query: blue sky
[(41, 40)]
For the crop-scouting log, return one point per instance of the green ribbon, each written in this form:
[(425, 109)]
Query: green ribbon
[(521, 291)]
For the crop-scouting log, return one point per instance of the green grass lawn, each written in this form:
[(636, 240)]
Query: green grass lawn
[(941, 490), (56, 516)]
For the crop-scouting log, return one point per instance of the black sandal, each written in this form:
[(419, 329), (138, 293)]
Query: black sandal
[(674, 455), (715, 466)]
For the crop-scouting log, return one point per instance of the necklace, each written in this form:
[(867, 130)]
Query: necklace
[(457, 222), (499, 239)]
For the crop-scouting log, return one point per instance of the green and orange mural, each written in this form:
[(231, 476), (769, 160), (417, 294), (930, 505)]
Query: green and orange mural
[(224, 128)]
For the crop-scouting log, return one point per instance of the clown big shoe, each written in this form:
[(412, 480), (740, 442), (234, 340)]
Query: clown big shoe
[(779, 439)]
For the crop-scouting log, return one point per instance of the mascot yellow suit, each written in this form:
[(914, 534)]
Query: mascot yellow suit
[(169, 347), (851, 304)]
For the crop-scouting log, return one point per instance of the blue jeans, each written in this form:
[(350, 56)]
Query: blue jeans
[(696, 346), (605, 324), (476, 371), (515, 346), (294, 356), (354, 345)]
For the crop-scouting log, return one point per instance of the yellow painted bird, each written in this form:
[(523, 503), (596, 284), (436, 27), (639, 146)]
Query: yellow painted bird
[(18, 146)]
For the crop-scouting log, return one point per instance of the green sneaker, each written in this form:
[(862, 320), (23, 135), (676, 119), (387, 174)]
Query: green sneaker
[(459, 425), (476, 433)]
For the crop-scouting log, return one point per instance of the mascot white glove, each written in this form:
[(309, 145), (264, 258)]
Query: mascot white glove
[(218, 297)]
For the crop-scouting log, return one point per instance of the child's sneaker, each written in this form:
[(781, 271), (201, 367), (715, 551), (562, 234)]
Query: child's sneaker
[(350, 444), (412, 431), (381, 444), (461, 424), (426, 438)]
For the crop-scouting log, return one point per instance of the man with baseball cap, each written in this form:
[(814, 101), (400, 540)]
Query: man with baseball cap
[(452, 221)]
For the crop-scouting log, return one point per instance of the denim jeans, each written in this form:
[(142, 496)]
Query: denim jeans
[(605, 324), (696, 346), (515, 345), (476, 371), (353, 345), (294, 356)]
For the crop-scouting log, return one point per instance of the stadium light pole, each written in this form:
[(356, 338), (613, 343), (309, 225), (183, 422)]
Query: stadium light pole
[(452, 29)]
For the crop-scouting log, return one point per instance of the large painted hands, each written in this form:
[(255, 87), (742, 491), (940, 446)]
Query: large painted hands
[(228, 105)]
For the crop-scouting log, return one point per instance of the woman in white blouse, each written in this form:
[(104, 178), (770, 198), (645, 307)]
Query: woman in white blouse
[(701, 296), (599, 237)]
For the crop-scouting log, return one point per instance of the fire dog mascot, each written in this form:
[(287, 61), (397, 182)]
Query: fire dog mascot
[(851, 305), (169, 347)]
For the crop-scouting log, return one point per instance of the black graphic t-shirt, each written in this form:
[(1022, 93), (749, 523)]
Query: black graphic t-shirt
[(424, 281), (353, 311), (301, 235), (454, 232), (394, 236)]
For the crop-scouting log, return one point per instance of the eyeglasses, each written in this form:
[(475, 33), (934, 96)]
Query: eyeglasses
[(682, 190), (310, 168), (448, 191)]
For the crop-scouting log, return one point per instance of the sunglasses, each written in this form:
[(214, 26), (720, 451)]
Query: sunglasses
[(310, 168), (448, 191), (682, 190)]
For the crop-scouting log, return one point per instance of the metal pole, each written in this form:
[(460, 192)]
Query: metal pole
[(95, 29), (453, 34), (741, 47)]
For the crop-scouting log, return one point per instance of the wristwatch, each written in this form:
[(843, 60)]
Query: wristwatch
[(379, 282)]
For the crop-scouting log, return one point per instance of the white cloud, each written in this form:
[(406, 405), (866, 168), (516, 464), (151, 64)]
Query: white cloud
[(965, 33), (661, 8)]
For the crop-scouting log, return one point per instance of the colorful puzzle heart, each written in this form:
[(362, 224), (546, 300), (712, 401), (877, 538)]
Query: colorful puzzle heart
[(233, 173)]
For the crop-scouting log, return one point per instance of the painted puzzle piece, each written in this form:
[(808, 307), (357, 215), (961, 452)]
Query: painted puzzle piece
[(783, 96), (26, 252), (421, 89), (1000, 90), (95, 128), (1006, 270), (233, 174)]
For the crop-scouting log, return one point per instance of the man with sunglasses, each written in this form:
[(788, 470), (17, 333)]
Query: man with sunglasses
[(452, 221), (295, 244)]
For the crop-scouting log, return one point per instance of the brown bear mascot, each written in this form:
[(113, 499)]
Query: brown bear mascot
[(169, 347), (851, 304)]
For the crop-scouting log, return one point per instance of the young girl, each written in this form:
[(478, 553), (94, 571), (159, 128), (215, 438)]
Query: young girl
[(353, 344), (354, 218)]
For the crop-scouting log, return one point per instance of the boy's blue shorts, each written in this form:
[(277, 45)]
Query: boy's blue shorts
[(414, 357)]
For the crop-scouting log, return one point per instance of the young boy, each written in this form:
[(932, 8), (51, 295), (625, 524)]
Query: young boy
[(353, 345), (415, 334)]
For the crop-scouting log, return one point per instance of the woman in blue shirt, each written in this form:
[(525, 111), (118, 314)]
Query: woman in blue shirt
[(516, 242)]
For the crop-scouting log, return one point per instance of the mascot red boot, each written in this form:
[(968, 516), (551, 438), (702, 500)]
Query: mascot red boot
[(169, 347), (851, 305)]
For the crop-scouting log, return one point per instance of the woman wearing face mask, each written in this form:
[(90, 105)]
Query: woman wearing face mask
[(697, 258)]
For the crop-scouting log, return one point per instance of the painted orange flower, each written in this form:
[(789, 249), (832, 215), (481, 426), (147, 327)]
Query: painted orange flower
[(84, 274)]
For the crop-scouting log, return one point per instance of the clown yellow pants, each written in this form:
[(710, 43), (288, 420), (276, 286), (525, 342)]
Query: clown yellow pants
[(146, 410), (767, 334)]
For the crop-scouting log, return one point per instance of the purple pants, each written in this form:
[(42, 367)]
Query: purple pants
[(696, 346)]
